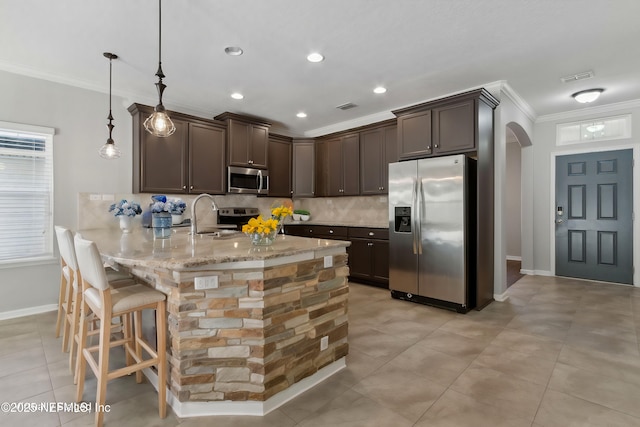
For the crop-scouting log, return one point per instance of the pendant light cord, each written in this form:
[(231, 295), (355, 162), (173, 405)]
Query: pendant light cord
[(159, 73)]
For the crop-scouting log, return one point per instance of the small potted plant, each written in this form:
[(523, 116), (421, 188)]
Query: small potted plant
[(160, 217), (301, 214), (125, 211), (176, 209)]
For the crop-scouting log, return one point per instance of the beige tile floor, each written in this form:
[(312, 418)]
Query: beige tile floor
[(559, 352)]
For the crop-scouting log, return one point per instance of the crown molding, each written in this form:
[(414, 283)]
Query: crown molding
[(350, 124), (590, 111), (518, 101)]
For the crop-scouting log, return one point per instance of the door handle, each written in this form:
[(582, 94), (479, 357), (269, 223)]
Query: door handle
[(259, 181), (414, 213), (419, 219)]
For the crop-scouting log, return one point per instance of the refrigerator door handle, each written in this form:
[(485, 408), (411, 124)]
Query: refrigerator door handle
[(419, 217), (414, 214)]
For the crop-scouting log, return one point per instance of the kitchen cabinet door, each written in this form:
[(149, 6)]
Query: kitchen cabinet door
[(163, 162), (453, 128), (321, 169), (248, 144), (279, 167), (207, 169), (378, 148), (380, 261), (414, 135), (350, 165), (303, 169), (360, 259)]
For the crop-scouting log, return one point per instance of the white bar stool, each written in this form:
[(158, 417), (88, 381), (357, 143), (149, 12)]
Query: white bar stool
[(70, 292), (107, 303)]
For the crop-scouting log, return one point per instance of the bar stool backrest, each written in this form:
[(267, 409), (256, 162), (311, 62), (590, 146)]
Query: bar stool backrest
[(65, 245), (90, 264)]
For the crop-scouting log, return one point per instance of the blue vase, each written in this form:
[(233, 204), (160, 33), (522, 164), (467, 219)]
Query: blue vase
[(161, 223)]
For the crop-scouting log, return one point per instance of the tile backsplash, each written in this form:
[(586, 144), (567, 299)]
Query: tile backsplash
[(93, 208)]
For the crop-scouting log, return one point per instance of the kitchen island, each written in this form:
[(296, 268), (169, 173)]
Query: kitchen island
[(250, 326)]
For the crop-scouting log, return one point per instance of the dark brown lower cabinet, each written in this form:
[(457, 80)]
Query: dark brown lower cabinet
[(368, 253), (369, 256)]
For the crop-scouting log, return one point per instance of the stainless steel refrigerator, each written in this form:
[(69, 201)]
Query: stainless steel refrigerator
[(432, 231)]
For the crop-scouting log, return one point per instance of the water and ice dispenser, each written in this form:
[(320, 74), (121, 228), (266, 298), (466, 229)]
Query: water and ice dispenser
[(403, 219)]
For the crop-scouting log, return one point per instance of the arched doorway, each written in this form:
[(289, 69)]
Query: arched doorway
[(516, 139)]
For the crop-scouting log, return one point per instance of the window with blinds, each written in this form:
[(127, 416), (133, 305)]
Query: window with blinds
[(26, 193)]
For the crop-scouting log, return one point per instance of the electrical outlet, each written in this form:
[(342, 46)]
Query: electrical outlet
[(324, 343), (207, 282), (94, 197), (328, 261)]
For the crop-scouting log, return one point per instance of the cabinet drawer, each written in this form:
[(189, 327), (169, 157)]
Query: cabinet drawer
[(369, 233), (328, 232)]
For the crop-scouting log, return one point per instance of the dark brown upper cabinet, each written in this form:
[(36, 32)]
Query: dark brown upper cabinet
[(247, 141), (378, 148), (414, 135), (445, 126), (303, 168), (279, 166), (321, 172), (192, 160), (342, 165)]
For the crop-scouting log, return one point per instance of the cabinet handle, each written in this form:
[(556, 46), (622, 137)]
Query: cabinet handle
[(330, 231), (250, 162), (436, 146), (291, 191), (428, 147), (191, 188), (371, 233), (184, 187), (369, 244)]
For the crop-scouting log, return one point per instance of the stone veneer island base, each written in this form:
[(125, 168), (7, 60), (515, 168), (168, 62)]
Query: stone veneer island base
[(248, 325)]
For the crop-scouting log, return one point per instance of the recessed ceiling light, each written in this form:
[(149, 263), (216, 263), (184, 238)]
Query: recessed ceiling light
[(380, 89), (237, 95), (588, 95), (315, 57), (301, 114), (233, 51)]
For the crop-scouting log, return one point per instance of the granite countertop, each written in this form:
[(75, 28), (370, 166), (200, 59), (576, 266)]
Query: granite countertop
[(182, 251)]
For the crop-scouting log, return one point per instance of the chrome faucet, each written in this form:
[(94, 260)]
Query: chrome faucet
[(194, 226)]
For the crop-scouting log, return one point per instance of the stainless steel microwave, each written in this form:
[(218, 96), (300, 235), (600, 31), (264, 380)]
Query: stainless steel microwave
[(247, 180)]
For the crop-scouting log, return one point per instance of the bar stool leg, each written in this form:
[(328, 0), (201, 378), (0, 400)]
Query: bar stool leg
[(103, 368), (161, 347), (137, 319), (67, 307), (75, 321), (81, 363), (61, 297)]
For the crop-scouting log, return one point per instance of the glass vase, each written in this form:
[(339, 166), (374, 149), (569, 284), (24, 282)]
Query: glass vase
[(262, 239), (126, 223), (161, 223)]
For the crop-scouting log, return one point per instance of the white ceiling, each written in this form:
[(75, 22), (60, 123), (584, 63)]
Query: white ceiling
[(418, 49)]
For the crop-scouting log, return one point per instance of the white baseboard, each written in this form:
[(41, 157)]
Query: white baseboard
[(543, 273), (251, 408), (528, 272), (501, 297), (28, 311), (514, 258)]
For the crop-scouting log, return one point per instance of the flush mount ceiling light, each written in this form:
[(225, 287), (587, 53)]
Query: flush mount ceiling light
[(233, 51), (159, 123), (380, 89), (589, 95), (109, 149), (301, 114), (237, 95), (315, 57)]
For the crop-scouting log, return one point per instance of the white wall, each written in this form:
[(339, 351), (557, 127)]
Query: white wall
[(543, 148), (79, 117), (513, 210)]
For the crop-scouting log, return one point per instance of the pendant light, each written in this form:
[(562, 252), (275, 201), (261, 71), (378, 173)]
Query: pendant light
[(159, 123), (109, 149)]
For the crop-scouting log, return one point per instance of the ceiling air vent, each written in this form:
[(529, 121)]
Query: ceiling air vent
[(347, 106), (576, 77)]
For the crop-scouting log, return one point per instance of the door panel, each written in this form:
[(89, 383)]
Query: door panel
[(594, 226)]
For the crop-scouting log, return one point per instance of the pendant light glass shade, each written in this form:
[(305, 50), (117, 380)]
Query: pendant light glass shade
[(109, 150), (159, 123)]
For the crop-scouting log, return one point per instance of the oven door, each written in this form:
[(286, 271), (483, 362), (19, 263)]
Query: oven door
[(247, 180)]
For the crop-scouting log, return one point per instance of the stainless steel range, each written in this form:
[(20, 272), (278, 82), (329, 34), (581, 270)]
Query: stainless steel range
[(237, 216)]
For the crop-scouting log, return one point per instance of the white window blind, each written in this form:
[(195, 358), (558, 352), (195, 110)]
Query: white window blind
[(26, 193)]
